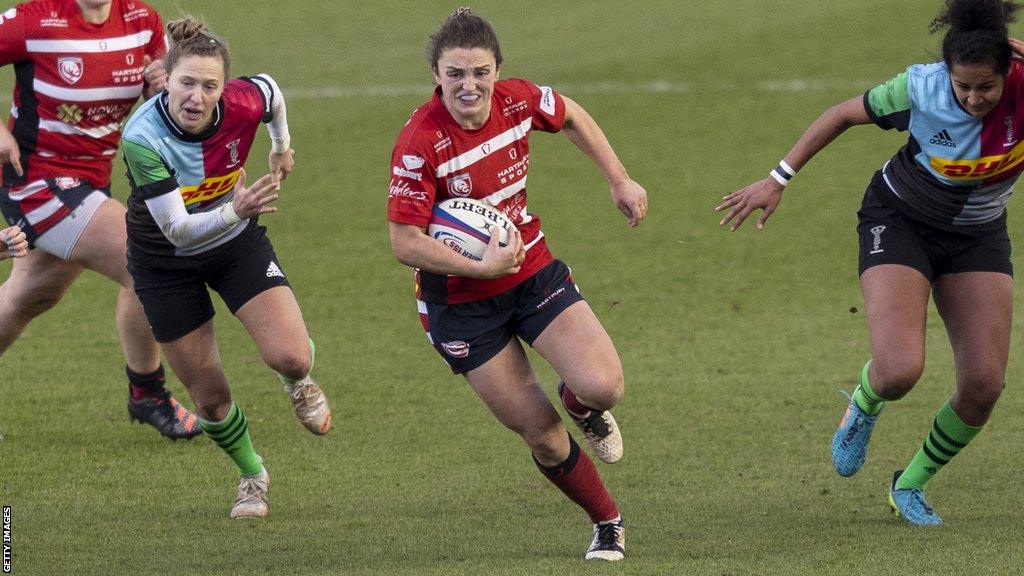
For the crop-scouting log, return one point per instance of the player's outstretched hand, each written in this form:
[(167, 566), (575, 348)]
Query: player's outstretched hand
[(9, 151), (281, 165), (499, 260), (255, 199), (764, 195), (13, 243), (631, 199)]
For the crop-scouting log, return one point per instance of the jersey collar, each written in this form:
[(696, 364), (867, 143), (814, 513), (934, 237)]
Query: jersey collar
[(165, 115)]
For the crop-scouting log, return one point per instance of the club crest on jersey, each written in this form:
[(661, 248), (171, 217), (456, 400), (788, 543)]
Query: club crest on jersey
[(71, 69), (233, 150), (460, 185), (67, 183)]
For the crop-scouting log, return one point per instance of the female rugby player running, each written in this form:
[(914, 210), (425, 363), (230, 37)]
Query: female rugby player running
[(80, 67), (192, 223), (933, 222), (471, 140)]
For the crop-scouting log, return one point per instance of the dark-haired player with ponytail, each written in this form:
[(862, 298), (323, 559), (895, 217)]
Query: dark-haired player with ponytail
[(472, 140), (932, 223), (192, 224)]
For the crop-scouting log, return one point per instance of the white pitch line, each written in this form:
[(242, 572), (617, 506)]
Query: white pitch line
[(652, 87)]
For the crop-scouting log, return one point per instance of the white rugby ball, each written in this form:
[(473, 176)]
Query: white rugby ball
[(466, 226)]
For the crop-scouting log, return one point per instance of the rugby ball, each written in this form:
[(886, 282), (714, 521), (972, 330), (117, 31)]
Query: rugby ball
[(466, 226)]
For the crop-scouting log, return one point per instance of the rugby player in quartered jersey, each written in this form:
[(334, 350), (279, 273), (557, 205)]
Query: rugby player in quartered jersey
[(932, 224), (202, 169), (192, 227), (79, 67)]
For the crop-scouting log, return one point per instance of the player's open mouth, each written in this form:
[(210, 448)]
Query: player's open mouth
[(469, 98), (192, 115)]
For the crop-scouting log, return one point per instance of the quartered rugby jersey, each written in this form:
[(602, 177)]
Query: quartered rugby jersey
[(435, 159), (203, 168), (955, 169), (75, 82)]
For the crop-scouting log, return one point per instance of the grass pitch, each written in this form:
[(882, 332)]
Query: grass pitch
[(735, 345)]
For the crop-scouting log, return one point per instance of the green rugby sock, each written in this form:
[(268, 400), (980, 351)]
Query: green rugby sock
[(865, 397), (232, 435), (312, 362), (948, 437)]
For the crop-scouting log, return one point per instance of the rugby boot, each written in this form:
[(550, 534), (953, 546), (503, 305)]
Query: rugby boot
[(165, 414), (310, 405), (850, 442), (609, 541), (599, 429), (251, 498), (909, 504)]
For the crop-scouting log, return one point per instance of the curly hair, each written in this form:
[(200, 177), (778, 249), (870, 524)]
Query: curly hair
[(978, 32)]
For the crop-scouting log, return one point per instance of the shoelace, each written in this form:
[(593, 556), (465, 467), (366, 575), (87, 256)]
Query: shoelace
[(250, 489), (302, 390), (607, 536), (595, 424), (919, 498)]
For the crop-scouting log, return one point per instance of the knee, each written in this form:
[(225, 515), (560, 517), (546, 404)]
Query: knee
[(893, 379), (212, 405), (979, 395), (294, 363), (603, 391)]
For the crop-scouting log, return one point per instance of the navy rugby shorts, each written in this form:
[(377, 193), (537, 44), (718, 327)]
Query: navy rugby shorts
[(173, 289), (889, 235), (467, 335)]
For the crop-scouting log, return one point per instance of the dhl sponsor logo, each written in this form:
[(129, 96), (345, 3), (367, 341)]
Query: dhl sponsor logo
[(985, 167), (209, 189)]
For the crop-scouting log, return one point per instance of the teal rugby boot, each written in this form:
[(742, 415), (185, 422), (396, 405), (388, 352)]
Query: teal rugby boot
[(909, 504), (850, 442)]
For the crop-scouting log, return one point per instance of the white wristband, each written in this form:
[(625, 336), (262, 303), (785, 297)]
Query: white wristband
[(782, 173)]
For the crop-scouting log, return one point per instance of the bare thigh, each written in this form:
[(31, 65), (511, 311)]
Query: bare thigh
[(896, 300), (274, 321), (102, 245), (581, 352)]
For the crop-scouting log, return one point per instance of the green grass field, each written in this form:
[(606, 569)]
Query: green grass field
[(735, 346)]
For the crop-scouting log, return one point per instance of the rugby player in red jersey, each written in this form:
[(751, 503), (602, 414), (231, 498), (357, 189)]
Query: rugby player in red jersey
[(471, 140), (80, 66)]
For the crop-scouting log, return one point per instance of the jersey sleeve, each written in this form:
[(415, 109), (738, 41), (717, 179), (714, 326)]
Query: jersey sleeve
[(148, 174), (157, 47), (413, 188), (888, 104), (12, 36), (548, 107)]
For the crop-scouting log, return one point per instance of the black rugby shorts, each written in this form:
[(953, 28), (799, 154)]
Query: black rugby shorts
[(467, 335), (173, 289)]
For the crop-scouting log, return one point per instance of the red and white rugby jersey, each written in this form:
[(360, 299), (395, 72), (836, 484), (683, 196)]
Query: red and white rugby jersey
[(436, 159), (75, 83)]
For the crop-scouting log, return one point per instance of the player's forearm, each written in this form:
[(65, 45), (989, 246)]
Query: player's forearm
[(415, 249), (183, 229), (583, 131), (825, 129)]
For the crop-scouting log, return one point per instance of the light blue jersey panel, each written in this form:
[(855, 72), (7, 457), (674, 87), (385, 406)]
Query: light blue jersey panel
[(941, 127)]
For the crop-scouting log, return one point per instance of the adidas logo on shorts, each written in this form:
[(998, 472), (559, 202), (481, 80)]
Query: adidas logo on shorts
[(273, 270)]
